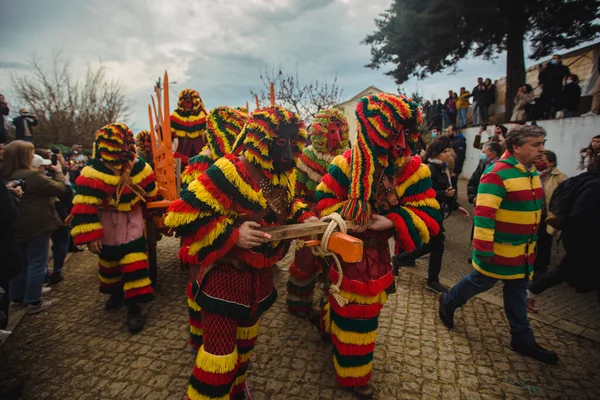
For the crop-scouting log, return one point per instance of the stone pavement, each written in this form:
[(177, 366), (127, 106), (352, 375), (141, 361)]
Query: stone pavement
[(77, 351), (561, 306)]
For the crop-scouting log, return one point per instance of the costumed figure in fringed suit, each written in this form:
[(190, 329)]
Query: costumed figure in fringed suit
[(107, 216), (143, 143), (329, 137), (188, 125), (216, 216), (223, 126), (387, 194)]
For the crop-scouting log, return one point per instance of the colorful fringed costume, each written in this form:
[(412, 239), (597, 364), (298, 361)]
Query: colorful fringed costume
[(106, 208), (329, 136), (224, 124), (377, 176), (235, 285), (143, 143), (188, 125)]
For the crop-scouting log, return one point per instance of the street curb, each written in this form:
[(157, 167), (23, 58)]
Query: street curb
[(548, 319)]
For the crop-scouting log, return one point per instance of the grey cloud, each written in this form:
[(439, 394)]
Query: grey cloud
[(13, 65)]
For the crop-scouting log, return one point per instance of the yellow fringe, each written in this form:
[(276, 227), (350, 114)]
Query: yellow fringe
[(245, 357), (193, 305), (133, 257), (419, 225), (422, 173), (175, 219), (108, 264), (240, 380), (429, 202), (216, 364), (196, 331), (81, 199), (143, 174), (209, 238), (137, 284), (247, 333), (352, 372), (297, 206), (109, 280), (84, 228), (327, 318), (194, 395), (92, 173), (353, 337), (342, 163), (381, 298), (234, 177), (332, 209), (268, 165), (203, 195)]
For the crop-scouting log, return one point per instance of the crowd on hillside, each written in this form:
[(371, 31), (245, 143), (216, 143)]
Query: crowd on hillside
[(559, 97)]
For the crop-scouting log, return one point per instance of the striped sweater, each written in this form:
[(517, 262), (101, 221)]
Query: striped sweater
[(507, 217)]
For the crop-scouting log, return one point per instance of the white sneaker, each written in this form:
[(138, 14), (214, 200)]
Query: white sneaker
[(45, 290), (40, 307), (587, 114)]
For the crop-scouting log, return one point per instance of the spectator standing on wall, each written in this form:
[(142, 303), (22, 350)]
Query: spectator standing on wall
[(588, 154), (450, 109), (462, 105), (551, 79), (3, 114), (487, 97), (24, 124), (523, 101), (476, 93), (571, 97), (551, 177), (595, 92)]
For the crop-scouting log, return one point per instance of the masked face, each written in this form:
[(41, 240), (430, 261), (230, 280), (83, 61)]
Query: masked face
[(282, 147), (334, 135), (188, 103), (398, 144)]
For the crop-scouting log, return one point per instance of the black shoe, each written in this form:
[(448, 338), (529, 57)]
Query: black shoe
[(403, 260), (55, 278), (114, 301), (135, 319), (446, 316), (470, 260), (314, 317), (436, 287), (535, 351), (362, 392)]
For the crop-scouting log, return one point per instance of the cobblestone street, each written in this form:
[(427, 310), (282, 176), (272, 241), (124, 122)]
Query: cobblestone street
[(76, 350)]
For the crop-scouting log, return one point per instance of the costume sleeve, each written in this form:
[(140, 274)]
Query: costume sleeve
[(490, 194), (145, 179), (196, 166), (89, 195), (205, 215), (299, 211), (332, 192), (418, 216)]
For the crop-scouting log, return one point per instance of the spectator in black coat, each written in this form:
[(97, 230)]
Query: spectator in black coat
[(581, 238), (24, 124), (551, 79), (571, 96), (458, 143), (490, 153), (487, 97), (475, 93), (3, 113)]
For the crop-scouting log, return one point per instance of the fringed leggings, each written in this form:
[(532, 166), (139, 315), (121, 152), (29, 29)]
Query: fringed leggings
[(222, 361), (302, 279), (194, 313), (125, 268), (353, 329)]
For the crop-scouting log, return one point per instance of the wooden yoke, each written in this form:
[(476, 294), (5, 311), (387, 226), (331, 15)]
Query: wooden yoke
[(348, 247), (160, 133)]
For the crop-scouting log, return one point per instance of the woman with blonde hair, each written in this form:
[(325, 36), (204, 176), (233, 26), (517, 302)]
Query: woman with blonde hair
[(36, 221)]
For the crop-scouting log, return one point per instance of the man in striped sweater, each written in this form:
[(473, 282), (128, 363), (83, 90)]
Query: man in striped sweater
[(507, 217)]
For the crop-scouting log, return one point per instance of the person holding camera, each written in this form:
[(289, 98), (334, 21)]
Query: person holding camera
[(24, 124), (36, 221)]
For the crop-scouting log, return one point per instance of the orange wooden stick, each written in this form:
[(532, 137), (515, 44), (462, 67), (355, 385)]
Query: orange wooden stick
[(272, 94), (256, 99)]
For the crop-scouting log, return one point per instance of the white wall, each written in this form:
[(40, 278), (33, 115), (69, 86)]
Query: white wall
[(565, 137)]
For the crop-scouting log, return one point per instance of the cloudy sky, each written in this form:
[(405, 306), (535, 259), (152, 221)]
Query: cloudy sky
[(214, 46)]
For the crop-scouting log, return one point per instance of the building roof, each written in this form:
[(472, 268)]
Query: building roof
[(363, 93)]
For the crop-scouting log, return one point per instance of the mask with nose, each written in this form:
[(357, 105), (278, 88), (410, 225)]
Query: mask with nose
[(398, 144), (282, 147), (334, 136)]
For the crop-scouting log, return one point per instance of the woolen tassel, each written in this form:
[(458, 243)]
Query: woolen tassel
[(215, 363), (357, 211)]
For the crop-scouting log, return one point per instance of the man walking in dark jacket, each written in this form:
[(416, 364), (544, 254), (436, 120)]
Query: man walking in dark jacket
[(459, 144)]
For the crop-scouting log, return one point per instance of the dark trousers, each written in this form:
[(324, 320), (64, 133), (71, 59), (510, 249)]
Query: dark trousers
[(60, 248), (484, 111), (543, 250), (514, 295), (436, 248)]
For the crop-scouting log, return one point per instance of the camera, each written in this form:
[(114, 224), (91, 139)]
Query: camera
[(484, 126), (54, 157), (19, 183)]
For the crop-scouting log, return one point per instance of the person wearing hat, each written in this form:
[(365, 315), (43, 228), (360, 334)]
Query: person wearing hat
[(24, 124)]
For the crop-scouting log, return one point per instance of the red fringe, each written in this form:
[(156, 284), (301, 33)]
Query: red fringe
[(138, 292), (111, 286), (413, 165), (326, 203), (245, 343), (404, 240), (222, 198), (195, 323), (335, 187), (184, 159), (134, 266), (182, 207), (213, 378), (352, 349), (306, 215), (315, 166), (221, 252), (94, 184), (354, 382), (299, 274), (355, 311), (84, 209), (371, 288), (432, 225), (428, 194), (88, 237), (257, 260)]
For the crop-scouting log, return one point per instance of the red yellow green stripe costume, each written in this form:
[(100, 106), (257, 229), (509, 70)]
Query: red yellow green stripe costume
[(98, 214), (312, 166), (208, 217), (188, 124), (349, 188)]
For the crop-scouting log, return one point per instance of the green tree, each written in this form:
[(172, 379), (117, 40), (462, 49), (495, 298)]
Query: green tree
[(422, 37)]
